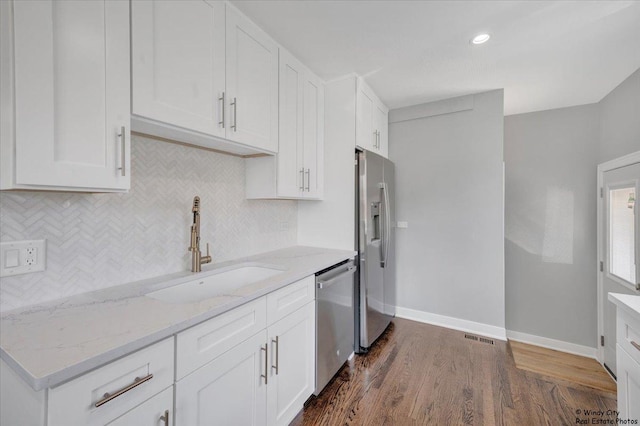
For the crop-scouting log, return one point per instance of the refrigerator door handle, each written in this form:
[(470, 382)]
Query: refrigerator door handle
[(384, 244)]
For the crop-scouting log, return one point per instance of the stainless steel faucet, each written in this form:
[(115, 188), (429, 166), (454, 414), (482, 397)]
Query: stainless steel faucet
[(197, 259)]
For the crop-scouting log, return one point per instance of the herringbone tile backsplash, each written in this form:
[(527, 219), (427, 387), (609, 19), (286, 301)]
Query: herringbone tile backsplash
[(100, 240)]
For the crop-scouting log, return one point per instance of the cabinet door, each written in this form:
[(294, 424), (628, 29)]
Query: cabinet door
[(227, 391), (290, 177), (72, 93), (292, 371), (149, 413), (313, 137), (628, 385), (365, 104), (252, 83), (178, 54), (381, 125)]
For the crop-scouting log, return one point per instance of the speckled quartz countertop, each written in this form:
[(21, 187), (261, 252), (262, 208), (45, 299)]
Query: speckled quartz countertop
[(627, 302), (50, 343)]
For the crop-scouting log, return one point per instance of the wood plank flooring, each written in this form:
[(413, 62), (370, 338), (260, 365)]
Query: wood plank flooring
[(418, 374), (574, 368)]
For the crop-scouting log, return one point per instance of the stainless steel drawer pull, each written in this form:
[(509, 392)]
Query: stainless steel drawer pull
[(221, 98), (123, 145), (277, 342), (301, 179), (165, 418), (266, 363), (136, 382), (308, 172), (635, 345)]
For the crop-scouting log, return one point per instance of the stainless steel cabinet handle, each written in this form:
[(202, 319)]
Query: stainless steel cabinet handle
[(635, 345), (277, 342), (123, 144), (221, 98), (378, 139), (266, 363), (165, 418), (235, 115), (136, 382), (308, 172), (375, 138), (301, 179)]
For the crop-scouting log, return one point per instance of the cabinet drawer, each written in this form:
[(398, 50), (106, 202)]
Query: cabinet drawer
[(288, 299), (210, 339), (74, 403), (628, 330)]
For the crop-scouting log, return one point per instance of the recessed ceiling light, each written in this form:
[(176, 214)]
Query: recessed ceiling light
[(480, 38)]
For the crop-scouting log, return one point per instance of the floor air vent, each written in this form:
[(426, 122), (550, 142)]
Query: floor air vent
[(478, 339)]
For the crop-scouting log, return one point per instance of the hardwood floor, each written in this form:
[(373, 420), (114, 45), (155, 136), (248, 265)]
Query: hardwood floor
[(418, 374), (574, 368)]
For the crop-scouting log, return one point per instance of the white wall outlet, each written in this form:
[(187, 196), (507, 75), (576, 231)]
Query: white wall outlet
[(22, 257), (403, 224)]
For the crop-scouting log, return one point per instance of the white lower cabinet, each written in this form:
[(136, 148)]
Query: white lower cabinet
[(264, 380), (291, 380), (230, 390), (628, 364), (628, 385), (253, 365)]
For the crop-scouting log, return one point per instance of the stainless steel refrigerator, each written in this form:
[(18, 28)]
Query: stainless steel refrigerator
[(375, 244)]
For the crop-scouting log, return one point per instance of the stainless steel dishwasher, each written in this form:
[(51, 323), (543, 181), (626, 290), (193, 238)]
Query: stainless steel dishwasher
[(334, 320)]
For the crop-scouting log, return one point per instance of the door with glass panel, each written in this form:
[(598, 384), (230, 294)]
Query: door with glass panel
[(621, 252)]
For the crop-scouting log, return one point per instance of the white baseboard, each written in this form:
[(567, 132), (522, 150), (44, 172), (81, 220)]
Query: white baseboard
[(451, 322), (558, 345)]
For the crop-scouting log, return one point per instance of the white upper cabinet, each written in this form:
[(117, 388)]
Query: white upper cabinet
[(313, 137), (178, 63), (372, 120), (66, 74), (205, 75), (290, 169), (297, 170), (252, 83)]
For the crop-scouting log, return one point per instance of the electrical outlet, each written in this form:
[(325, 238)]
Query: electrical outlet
[(22, 257)]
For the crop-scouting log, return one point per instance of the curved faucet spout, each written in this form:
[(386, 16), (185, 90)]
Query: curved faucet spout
[(197, 259)]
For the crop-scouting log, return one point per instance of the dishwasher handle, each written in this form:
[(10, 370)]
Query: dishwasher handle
[(324, 284)]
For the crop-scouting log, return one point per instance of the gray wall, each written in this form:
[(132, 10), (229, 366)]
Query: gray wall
[(550, 235), (449, 171), (620, 120), (550, 238)]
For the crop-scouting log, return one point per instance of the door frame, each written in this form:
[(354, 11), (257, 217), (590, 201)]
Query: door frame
[(617, 163)]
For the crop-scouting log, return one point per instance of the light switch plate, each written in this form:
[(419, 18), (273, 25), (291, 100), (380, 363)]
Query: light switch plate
[(22, 257)]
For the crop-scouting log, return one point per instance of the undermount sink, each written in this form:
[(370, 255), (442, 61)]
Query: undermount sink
[(224, 281)]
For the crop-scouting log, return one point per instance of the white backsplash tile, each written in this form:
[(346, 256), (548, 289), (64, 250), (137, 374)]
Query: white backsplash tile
[(100, 240)]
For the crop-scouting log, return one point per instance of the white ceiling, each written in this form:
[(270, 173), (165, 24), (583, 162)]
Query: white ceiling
[(545, 54)]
